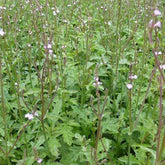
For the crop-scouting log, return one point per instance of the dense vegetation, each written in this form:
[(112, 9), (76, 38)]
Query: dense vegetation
[(82, 82)]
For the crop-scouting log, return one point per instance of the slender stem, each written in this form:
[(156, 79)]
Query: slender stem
[(129, 149), (18, 137), (160, 119), (118, 38), (3, 109)]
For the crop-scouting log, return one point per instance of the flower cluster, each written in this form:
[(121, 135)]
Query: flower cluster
[(39, 160), (2, 33), (158, 23), (129, 86), (49, 47), (131, 77), (97, 81), (30, 116), (162, 66)]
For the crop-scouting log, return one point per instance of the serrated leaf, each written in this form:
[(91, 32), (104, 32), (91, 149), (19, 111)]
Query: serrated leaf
[(2, 132), (66, 132), (133, 160), (40, 141), (54, 144)]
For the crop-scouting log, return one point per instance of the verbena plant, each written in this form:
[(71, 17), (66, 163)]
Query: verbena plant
[(82, 82)]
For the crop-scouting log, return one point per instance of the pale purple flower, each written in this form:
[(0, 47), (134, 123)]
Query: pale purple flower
[(39, 160), (98, 83), (162, 66), (35, 114), (50, 51), (49, 46), (29, 116), (94, 84), (2, 33), (158, 24), (133, 77), (63, 46), (129, 86), (96, 78), (157, 12), (158, 53)]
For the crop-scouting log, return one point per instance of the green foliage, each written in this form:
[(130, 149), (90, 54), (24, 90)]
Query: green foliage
[(49, 56)]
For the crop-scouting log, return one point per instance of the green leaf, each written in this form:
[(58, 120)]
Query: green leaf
[(54, 144), (40, 141), (32, 91), (146, 149), (66, 132), (133, 160), (2, 132)]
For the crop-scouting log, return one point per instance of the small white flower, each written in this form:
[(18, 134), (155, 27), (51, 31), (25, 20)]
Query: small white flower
[(129, 86), (35, 114), (133, 77), (39, 160), (158, 53), (2, 33), (99, 83), (63, 46), (29, 116), (157, 12), (162, 66), (94, 84), (54, 13), (49, 46), (65, 21), (158, 24), (84, 21), (109, 23), (96, 78), (50, 51)]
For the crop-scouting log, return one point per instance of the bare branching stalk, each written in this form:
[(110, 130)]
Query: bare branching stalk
[(99, 113), (158, 154)]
